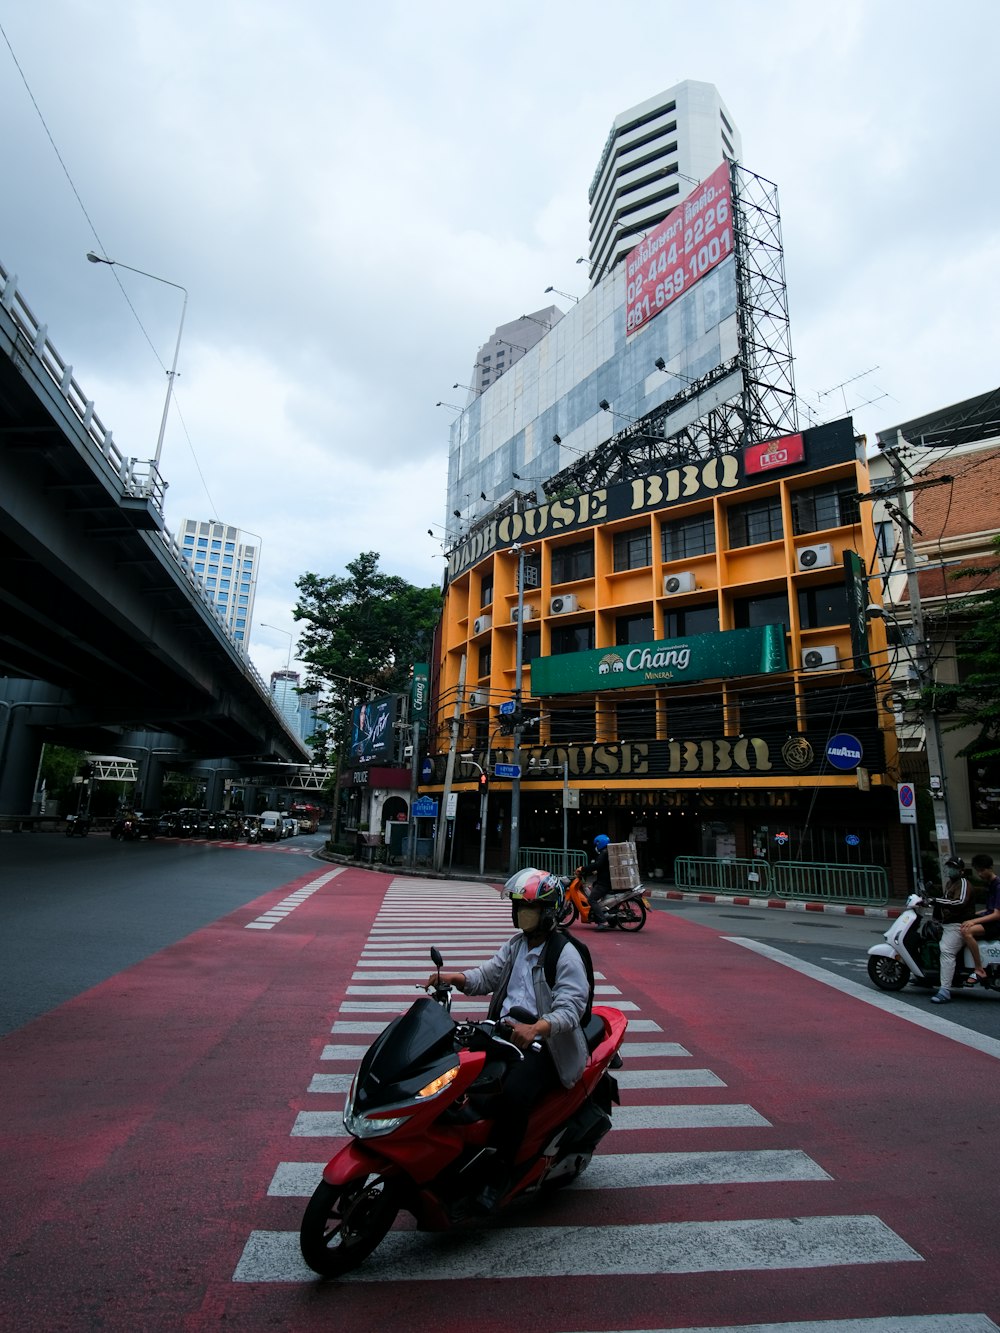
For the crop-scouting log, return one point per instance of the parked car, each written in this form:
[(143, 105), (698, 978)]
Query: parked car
[(290, 825), (271, 826)]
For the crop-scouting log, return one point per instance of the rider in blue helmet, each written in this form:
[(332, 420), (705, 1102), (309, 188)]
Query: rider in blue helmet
[(600, 885)]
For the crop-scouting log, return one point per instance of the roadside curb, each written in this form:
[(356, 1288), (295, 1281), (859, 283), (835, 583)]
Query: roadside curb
[(783, 904)]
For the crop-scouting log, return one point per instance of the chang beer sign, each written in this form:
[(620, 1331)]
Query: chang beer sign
[(736, 652), (420, 688)]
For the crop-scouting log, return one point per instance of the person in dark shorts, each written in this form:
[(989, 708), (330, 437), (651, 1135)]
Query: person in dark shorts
[(987, 925)]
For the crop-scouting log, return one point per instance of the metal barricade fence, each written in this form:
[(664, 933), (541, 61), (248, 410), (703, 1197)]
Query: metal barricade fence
[(823, 881), (831, 882), (730, 874), (553, 860)]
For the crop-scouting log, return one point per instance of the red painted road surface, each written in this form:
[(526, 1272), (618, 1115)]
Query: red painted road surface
[(142, 1124)]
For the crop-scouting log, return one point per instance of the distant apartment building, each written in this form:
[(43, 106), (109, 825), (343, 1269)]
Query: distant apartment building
[(508, 343), (227, 561), (654, 153)]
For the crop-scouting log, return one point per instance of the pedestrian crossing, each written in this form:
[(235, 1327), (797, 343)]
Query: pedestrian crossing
[(468, 923)]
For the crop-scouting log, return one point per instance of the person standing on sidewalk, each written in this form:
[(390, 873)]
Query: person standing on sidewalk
[(953, 910)]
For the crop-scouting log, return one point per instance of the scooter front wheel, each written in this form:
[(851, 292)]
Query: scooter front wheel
[(569, 914), (887, 973), (343, 1224)]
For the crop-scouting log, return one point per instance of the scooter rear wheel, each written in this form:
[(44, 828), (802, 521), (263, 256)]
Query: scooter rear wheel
[(887, 973), (631, 916), (343, 1224)]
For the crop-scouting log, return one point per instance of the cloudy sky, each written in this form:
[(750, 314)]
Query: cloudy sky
[(355, 196)]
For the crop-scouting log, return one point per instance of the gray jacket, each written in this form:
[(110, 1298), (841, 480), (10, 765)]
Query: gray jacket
[(562, 1006)]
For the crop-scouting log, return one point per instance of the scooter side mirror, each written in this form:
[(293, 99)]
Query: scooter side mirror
[(436, 958)]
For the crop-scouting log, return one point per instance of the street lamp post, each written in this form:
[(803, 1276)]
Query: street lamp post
[(288, 660), (171, 373)]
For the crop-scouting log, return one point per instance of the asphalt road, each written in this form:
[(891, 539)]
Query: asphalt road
[(839, 944), (75, 911)]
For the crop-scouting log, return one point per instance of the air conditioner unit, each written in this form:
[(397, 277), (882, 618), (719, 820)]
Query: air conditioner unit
[(527, 614), (478, 699), (560, 605), (820, 658), (814, 557), (481, 624), (682, 582)]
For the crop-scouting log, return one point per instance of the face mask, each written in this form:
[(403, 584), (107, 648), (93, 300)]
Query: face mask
[(528, 919)]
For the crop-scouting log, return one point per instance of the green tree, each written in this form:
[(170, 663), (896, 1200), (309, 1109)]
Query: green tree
[(974, 700), (60, 766)]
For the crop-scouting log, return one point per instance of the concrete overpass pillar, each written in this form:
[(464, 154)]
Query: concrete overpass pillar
[(25, 707)]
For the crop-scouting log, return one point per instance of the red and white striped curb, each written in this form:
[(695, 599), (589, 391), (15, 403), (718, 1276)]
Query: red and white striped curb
[(787, 904)]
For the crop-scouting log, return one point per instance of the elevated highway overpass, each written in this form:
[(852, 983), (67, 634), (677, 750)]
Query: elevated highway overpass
[(106, 632)]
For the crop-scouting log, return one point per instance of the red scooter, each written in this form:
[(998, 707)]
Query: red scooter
[(418, 1113)]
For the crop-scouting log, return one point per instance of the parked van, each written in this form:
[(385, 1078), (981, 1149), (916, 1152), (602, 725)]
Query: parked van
[(271, 826)]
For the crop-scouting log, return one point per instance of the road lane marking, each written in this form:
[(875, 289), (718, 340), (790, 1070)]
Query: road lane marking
[(274, 915), (611, 1171), (757, 1245), (877, 999), (330, 1124)]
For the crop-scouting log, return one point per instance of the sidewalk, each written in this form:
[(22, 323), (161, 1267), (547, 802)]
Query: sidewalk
[(656, 892)]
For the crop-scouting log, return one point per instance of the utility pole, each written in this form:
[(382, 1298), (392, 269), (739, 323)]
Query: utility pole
[(935, 759), (449, 772), (515, 785)]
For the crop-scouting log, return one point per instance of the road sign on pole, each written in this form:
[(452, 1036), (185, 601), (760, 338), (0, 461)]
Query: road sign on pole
[(506, 770), (907, 803)]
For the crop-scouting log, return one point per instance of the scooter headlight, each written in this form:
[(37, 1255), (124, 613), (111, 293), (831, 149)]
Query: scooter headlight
[(370, 1126)]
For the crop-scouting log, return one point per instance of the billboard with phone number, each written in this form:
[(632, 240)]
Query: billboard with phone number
[(669, 260)]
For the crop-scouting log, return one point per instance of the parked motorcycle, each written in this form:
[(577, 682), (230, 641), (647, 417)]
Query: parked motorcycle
[(78, 826), (911, 952), (418, 1114), (625, 910)]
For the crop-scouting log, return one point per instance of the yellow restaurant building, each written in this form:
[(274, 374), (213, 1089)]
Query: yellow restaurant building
[(697, 668)]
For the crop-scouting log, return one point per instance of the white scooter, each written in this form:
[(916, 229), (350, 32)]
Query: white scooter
[(911, 952)]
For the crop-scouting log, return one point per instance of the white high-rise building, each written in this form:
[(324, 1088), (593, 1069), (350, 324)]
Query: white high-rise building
[(227, 560), (655, 154)]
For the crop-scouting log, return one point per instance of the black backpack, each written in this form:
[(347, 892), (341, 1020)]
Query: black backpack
[(557, 941)]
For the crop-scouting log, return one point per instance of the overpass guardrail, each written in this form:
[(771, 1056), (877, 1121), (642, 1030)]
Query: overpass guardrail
[(822, 881)]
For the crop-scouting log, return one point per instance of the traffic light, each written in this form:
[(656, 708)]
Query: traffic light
[(484, 782)]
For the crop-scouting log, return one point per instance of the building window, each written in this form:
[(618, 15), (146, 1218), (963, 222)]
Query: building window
[(832, 506), (694, 715), (485, 661), (688, 537), (770, 609), (820, 607), (570, 563), (691, 621), (531, 645), (633, 550), (572, 639), (217, 546), (486, 591), (758, 521), (635, 719), (568, 726), (634, 629)]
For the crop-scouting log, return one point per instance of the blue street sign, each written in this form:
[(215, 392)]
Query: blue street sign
[(507, 707), (506, 770)]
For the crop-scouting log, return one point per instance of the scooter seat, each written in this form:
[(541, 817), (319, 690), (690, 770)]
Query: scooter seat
[(593, 1031)]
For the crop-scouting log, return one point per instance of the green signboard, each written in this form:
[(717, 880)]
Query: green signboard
[(857, 601), (420, 693), (735, 652)]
